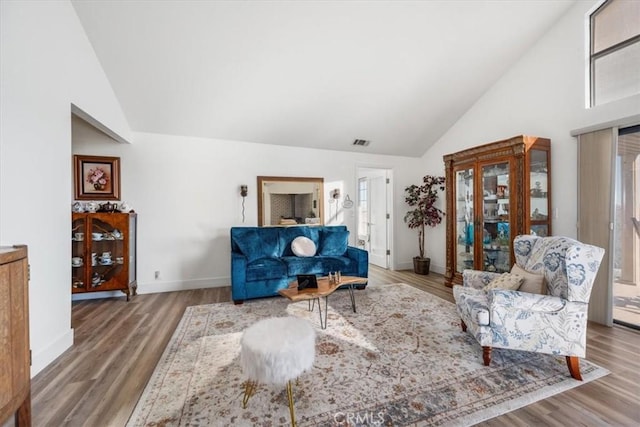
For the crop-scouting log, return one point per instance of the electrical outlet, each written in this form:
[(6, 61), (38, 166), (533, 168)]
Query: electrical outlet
[(157, 275)]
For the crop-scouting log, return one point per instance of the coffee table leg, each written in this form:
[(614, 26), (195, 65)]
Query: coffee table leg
[(353, 298), (323, 324)]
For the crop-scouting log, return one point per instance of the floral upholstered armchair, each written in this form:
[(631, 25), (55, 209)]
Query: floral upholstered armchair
[(554, 323)]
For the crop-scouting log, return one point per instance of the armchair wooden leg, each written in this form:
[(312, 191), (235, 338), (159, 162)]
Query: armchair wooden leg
[(486, 355), (463, 325), (574, 367)]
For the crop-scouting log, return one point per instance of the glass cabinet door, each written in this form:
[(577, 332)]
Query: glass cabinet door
[(538, 193), (464, 219), (78, 255), (107, 253), (496, 244)]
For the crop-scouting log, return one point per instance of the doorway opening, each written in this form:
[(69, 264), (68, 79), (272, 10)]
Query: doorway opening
[(374, 214)]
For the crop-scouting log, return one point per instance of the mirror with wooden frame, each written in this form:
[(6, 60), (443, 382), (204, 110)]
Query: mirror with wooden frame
[(290, 201)]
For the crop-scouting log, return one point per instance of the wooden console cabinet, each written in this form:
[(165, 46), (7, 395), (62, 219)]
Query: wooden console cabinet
[(94, 236), (495, 192), (15, 356)]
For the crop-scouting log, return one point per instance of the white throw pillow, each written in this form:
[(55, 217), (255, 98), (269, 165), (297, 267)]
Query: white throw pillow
[(303, 247), (505, 281), (533, 283)]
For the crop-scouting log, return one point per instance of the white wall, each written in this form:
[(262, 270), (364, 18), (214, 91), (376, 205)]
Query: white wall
[(187, 195), (46, 64), (543, 95)]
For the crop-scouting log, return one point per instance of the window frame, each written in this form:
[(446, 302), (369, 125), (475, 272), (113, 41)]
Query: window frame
[(593, 57)]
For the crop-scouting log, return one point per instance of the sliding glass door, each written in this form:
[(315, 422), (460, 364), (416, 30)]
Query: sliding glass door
[(626, 238)]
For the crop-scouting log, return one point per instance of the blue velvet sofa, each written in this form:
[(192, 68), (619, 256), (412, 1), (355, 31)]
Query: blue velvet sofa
[(262, 261)]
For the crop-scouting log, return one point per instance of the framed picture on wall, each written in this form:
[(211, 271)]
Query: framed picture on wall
[(96, 177)]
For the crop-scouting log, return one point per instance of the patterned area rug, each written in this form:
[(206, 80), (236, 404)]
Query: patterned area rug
[(400, 360)]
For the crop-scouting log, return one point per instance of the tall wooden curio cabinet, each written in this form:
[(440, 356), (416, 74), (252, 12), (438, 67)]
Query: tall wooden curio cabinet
[(103, 255), (495, 192)]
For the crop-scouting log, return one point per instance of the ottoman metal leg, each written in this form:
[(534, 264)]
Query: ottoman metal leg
[(249, 390), (290, 396)]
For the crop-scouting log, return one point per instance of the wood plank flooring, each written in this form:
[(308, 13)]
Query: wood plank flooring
[(98, 381)]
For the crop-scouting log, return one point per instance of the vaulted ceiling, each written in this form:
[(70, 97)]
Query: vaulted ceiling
[(309, 73)]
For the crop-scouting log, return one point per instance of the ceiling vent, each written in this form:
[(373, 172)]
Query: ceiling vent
[(361, 142)]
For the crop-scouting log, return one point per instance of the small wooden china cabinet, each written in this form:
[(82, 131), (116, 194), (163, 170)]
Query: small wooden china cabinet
[(103, 256), (495, 192)]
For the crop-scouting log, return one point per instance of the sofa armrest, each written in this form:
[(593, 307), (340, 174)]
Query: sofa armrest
[(238, 276), (477, 279), (362, 259)]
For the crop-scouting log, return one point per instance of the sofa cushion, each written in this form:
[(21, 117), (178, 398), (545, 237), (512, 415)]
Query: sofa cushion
[(266, 268), (319, 265), (256, 244), (303, 247), (288, 234), (333, 242)]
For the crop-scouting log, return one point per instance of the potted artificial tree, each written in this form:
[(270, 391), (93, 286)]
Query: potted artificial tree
[(422, 198)]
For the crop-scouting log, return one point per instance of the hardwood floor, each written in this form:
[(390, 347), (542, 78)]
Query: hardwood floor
[(98, 381)]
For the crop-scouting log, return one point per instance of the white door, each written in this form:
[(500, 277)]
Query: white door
[(373, 215)]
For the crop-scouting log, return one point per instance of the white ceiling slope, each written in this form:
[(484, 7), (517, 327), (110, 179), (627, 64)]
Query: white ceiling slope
[(309, 73)]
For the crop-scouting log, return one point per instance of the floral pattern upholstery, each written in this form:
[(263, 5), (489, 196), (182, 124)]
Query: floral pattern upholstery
[(555, 323)]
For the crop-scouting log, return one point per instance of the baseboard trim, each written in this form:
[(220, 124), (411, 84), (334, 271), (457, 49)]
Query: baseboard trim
[(156, 287), (44, 357), (433, 267), (182, 285)]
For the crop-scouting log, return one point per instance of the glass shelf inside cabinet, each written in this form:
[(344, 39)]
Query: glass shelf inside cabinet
[(464, 219)]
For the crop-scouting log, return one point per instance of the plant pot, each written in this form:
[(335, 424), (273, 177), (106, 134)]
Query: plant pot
[(421, 265)]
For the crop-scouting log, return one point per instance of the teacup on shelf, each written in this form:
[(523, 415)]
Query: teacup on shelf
[(91, 207)]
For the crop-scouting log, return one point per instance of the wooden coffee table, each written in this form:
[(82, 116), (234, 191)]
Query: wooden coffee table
[(324, 289)]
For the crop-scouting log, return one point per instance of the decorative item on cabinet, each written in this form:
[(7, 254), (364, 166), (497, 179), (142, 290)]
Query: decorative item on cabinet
[(106, 250), (513, 177), (108, 207)]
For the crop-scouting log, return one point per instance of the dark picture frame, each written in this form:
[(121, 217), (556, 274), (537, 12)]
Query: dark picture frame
[(96, 177)]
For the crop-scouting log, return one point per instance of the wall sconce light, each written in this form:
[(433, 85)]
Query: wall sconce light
[(244, 190), (335, 194)]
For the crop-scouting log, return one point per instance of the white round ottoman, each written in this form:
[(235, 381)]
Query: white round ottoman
[(275, 351)]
